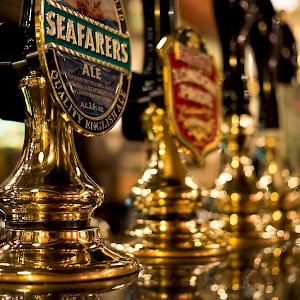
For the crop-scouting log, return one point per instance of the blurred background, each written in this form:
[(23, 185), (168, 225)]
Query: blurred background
[(116, 163)]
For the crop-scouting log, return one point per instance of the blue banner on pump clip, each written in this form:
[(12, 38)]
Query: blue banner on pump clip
[(84, 51)]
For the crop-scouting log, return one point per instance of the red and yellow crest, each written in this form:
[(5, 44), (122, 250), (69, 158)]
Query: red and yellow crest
[(192, 91)]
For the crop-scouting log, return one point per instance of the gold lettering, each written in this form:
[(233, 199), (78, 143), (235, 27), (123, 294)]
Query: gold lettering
[(80, 118), (116, 50), (61, 27), (71, 107), (119, 107), (52, 29), (99, 43), (108, 46), (88, 124), (80, 34), (58, 84), (71, 35), (114, 115), (65, 101), (95, 125), (86, 70), (88, 38), (61, 95), (54, 74), (124, 95), (98, 73), (124, 52), (91, 71), (89, 41)]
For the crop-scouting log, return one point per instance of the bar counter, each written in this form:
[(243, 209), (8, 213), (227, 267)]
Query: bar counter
[(266, 273)]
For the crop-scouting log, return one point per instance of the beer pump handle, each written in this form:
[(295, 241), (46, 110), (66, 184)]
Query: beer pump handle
[(15, 54), (12, 105), (264, 41), (234, 23), (147, 86), (288, 59), (254, 25), (275, 53)]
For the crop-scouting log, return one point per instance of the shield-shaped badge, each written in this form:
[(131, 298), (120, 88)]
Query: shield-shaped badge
[(84, 52), (192, 87)]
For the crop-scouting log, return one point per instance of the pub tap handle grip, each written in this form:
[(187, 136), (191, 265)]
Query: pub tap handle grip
[(270, 38), (16, 55), (288, 59), (147, 86), (234, 23), (264, 41), (12, 105)]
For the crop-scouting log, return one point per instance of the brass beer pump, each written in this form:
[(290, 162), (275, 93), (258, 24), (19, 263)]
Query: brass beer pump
[(166, 199), (238, 195), (49, 199), (276, 64)]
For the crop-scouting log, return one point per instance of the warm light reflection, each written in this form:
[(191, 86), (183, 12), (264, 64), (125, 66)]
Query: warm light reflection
[(162, 151), (235, 197), (234, 130), (272, 168), (235, 163), (282, 233), (145, 192), (246, 121), (136, 190), (25, 273), (233, 219), (78, 172), (214, 193), (274, 196), (163, 226), (277, 252), (5, 247), (248, 170), (161, 164), (277, 215), (148, 174), (193, 281), (41, 157), (233, 61), (297, 229), (264, 182), (286, 5), (190, 182), (161, 43), (162, 195), (275, 270), (223, 178), (293, 182)]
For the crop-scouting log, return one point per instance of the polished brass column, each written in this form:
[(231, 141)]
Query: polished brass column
[(181, 86), (48, 201), (248, 193), (166, 201), (237, 196), (280, 183)]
